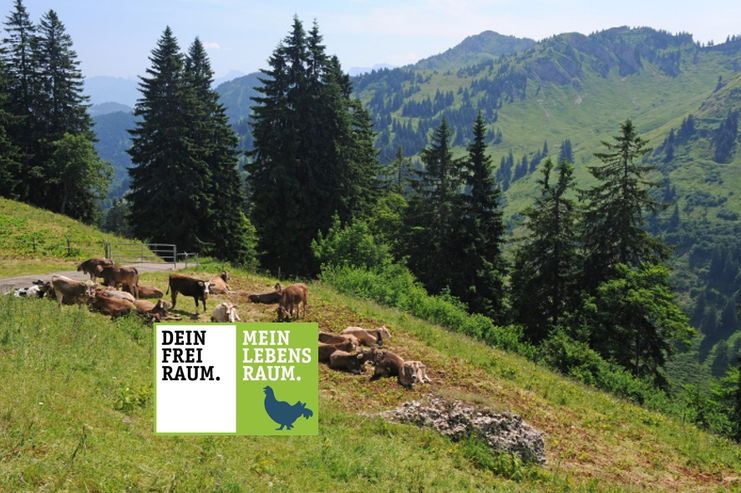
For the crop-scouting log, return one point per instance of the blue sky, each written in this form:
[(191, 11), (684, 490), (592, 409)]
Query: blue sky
[(116, 37)]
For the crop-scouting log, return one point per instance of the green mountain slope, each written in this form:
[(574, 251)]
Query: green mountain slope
[(34, 240), (580, 88), (79, 408)]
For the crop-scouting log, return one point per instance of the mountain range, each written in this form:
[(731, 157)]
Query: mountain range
[(571, 91)]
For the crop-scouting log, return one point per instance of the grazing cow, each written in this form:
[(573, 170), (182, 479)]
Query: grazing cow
[(147, 292), (116, 277), (106, 304), (326, 350), (69, 292), (291, 298), (369, 337), (329, 338), (225, 312), (218, 284), (349, 362), (188, 286), (90, 266)]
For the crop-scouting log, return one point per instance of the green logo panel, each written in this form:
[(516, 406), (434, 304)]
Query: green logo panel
[(277, 379)]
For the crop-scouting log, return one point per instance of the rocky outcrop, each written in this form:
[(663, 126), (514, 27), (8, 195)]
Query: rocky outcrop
[(503, 432)]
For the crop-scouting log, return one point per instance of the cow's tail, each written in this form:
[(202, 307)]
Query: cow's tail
[(168, 288)]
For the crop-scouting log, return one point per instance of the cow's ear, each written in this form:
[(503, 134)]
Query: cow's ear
[(202, 284)]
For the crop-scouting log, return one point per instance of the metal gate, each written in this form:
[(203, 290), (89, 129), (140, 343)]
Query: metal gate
[(133, 253)]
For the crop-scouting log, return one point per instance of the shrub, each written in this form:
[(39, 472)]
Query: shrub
[(352, 245)]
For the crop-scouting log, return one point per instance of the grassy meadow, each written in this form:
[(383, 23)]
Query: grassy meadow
[(34, 240), (76, 415)]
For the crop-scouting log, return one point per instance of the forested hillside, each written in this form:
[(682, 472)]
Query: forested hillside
[(560, 97)]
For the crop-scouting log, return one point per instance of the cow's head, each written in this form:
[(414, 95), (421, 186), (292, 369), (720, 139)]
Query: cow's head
[(278, 287), (225, 276), (205, 287)]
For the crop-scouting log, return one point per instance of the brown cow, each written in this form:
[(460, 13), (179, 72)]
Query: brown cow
[(329, 338), (69, 292), (106, 304), (291, 298), (218, 284), (326, 350), (116, 276), (90, 265), (369, 337), (388, 364), (188, 286), (350, 362), (147, 292), (267, 298)]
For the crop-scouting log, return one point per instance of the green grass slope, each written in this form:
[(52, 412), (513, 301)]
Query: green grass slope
[(34, 240), (76, 415)]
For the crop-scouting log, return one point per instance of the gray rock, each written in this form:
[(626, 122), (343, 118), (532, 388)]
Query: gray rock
[(503, 432)]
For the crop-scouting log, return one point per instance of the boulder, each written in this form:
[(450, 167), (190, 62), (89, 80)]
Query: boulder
[(503, 432)]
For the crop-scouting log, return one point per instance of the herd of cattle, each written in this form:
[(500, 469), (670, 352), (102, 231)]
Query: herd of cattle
[(121, 294)]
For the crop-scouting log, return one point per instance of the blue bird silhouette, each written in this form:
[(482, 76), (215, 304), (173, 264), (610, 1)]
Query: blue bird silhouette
[(284, 413)]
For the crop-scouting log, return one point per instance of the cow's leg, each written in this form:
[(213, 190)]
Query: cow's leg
[(174, 297), (59, 297), (135, 290), (195, 298)]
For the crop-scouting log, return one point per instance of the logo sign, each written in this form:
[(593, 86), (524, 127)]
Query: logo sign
[(239, 379)]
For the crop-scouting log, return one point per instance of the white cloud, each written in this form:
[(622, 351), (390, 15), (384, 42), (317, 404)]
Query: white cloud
[(211, 45)]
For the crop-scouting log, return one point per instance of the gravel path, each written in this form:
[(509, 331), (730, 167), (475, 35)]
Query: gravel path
[(10, 283)]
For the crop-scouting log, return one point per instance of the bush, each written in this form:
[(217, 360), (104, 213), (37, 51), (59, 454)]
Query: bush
[(352, 245), (396, 286)]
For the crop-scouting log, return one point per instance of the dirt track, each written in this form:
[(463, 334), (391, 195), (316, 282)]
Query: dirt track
[(10, 283)]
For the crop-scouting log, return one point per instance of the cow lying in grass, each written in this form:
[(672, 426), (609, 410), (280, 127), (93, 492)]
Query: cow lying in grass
[(147, 292), (225, 312), (218, 284), (375, 337), (349, 362), (327, 350)]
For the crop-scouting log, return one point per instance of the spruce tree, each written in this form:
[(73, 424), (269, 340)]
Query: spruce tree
[(169, 180), (10, 166), (482, 265), (612, 228), (224, 231), (431, 221), (18, 54), (637, 322), (61, 117), (544, 279), (313, 154)]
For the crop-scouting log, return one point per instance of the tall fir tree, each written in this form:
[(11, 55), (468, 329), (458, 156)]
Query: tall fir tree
[(61, 114), (431, 222), (482, 235), (18, 54), (313, 154), (225, 232), (544, 279), (616, 206), (169, 196), (10, 166)]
